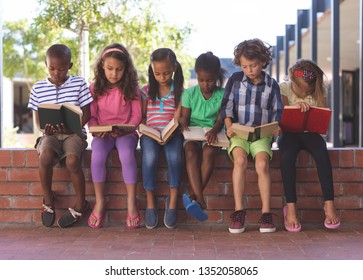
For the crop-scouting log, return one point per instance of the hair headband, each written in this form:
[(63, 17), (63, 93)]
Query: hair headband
[(111, 50), (305, 74)]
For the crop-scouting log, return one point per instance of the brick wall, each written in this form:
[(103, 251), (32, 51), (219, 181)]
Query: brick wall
[(21, 195)]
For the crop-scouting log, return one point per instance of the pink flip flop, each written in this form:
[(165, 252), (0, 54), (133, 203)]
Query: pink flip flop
[(287, 227), (136, 218), (100, 219), (331, 225)]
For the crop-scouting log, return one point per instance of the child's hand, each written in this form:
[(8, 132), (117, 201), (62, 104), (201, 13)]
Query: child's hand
[(100, 134), (229, 132), (211, 137), (183, 125), (277, 131), (61, 129), (49, 129), (303, 106)]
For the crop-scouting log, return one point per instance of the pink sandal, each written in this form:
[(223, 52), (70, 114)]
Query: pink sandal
[(137, 219), (100, 219)]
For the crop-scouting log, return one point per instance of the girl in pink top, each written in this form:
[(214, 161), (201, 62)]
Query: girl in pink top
[(116, 100)]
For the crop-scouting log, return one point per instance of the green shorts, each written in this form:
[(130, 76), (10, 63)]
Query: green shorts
[(261, 145)]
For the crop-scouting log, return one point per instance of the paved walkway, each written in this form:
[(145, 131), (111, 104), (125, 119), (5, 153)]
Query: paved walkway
[(201, 242)]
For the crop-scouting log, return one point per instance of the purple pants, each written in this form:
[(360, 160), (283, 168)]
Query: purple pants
[(126, 146)]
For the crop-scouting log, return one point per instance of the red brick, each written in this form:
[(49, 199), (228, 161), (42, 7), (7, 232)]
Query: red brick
[(310, 202), (215, 189), (348, 188), (334, 157), (309, 189), (312, 216), (306, 174), (352, 202), (346, 158), (3, 175), (17, 216), (358, 163), (26, 202), (220, 202), (14, 189), (26, 175), (18, 158), (352, 189), (32, 158), (304, 159), (354, 216), (5, 158), (5, 202), (347, 175)]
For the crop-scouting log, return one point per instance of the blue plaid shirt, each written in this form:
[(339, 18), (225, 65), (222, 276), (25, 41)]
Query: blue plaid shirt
[(249, 104)]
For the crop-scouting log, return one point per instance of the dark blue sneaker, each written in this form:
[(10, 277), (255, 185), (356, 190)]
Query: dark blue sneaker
[(151, 216), (170, 216)]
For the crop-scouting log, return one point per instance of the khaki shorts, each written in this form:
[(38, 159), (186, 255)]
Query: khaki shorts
[(251, 148), (62, 145)]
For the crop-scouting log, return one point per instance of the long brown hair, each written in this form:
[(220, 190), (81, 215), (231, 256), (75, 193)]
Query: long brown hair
[(129, 81)]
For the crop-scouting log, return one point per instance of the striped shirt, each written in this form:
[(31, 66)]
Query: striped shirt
[(249, 104), (75, 91), (161, 112)]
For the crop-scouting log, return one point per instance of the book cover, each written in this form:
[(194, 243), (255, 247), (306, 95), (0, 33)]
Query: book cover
[(315, 120), (160, 136), (250, 133), (197, 133), (55, 114), (112, 127)]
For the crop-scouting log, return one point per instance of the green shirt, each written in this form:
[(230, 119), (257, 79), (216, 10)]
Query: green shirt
[(203, 112)]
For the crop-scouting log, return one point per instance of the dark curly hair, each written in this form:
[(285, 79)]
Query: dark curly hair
[(253, 49)]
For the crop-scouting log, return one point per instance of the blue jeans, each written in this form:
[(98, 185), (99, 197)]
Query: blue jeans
[(173, 151)]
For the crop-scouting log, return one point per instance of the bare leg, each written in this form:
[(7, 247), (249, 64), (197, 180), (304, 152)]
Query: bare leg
[(193, 166), (264, 179), (46, 174), (73, 164), (239, 176), (291, 215), (99, 207), (131, 202), (173, 198), (330, 212)]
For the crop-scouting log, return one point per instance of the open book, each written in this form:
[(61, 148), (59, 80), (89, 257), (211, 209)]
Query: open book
[(251, 133), (160, 136), (197, 133), (315, 120), (55, 114), (109, 128)]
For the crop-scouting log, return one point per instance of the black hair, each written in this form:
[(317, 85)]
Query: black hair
[(59, 51), (160, 55), (210, 63)]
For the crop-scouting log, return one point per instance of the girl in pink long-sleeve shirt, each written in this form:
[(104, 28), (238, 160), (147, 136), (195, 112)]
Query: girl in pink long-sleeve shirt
[(116, 100)]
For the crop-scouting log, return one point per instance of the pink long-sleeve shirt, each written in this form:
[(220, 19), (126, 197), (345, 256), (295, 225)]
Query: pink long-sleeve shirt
[(111, 108)]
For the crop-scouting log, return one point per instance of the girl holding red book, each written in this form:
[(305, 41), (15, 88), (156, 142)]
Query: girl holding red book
[(304, 89)]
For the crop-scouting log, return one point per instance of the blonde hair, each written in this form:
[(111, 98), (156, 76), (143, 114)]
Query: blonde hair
[(313, 75)]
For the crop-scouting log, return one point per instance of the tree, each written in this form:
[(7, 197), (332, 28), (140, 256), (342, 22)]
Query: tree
[(135, 23)]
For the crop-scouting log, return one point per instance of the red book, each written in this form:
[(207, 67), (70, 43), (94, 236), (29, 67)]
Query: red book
[(315, 120)]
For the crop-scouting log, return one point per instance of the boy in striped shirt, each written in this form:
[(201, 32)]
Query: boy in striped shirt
[(57, 144)]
